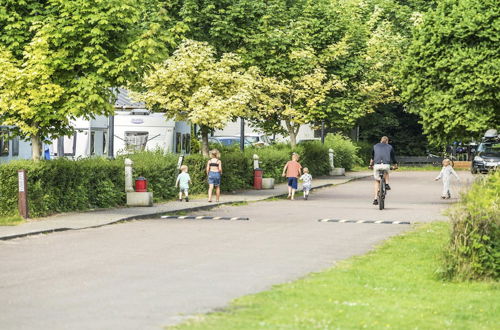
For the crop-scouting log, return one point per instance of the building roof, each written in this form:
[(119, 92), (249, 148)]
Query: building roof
[(123, 100)]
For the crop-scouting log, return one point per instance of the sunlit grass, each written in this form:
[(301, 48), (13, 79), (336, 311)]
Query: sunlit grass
[(395, 286)]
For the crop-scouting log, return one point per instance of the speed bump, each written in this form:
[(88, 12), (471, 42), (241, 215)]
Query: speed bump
[(385, 222), (190, 217)]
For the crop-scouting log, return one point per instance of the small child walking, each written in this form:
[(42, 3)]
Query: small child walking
[(446, 172), (183, 181), (292, 171), (306, 182)]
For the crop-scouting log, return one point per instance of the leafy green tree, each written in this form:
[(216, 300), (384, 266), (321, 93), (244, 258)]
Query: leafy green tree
[(450, 75), (194, 85), (60, 58)]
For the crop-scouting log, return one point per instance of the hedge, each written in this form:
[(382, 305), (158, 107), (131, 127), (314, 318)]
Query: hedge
[(473, 252), (63, 185)]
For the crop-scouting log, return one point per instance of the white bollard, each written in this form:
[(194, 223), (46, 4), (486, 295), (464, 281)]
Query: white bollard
[(255, 161), (128, 175), (331, 155)]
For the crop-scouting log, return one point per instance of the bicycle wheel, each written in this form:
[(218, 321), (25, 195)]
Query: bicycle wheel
[(381, 194)]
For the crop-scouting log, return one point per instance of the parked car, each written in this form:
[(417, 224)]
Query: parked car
[(227, 141), (258, 139), (487, 156)]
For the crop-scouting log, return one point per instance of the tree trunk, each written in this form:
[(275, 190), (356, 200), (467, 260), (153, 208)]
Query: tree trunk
[(204, 140), (293, 130), (36, 147)]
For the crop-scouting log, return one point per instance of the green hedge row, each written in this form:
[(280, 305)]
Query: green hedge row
[(473, 252), (65, 185)]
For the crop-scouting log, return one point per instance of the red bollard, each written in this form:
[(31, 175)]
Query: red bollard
[(141, 184), (257, 178)]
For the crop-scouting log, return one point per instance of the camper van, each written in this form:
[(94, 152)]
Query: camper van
[(132, 128)]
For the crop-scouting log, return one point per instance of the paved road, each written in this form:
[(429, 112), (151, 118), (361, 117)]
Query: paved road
[(148, 274)]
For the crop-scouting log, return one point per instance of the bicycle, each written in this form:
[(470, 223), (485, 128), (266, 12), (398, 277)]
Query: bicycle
[(382, 191)]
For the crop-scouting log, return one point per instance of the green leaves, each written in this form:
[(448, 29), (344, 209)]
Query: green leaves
[(451, 72)]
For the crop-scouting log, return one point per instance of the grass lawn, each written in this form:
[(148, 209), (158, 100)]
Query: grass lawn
[(395, 286), (10, 220)]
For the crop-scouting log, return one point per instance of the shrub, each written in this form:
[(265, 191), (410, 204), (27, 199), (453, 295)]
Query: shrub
[(345, 151), (63, 185), (474, 248), (314, 156)]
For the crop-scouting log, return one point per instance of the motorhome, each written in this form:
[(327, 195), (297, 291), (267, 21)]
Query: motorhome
[(132, 128)]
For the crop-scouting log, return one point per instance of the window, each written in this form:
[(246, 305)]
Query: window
[(136, 141), (4, 142), (104, 143), (15, 146), (186, 141), (178, 143), (70, 145), (92, 143)]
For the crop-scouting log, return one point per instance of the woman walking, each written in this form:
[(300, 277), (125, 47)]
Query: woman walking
[(214, 172)]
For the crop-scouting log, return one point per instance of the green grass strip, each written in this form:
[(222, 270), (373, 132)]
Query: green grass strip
[(11, 220), (395, 286)]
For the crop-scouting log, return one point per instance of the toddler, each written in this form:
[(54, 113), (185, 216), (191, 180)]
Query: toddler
[(306, 182), (183, 181), (446, 172)]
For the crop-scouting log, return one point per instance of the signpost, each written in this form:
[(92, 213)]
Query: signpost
[(23, 193)]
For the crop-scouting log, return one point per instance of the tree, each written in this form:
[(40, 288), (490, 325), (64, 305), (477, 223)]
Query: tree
[(59, 59), (194, 85), (450, 75)]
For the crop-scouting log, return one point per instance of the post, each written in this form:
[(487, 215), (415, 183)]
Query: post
[(23, 193), (331, 156), (255, 161), (242, 134), (60, 147), (322, 132), (111, 137), (128, 175)]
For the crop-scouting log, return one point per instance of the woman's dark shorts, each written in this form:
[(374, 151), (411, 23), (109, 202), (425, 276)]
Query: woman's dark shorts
[(293, 182), (214, 178)]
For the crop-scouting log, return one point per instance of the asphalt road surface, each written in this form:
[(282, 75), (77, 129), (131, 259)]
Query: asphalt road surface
[(153, 273)]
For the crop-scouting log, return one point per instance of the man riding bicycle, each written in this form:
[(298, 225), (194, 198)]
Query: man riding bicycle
[(382, 158)]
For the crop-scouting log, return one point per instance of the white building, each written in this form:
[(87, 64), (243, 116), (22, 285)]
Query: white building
[(134, 128), (233, 129)]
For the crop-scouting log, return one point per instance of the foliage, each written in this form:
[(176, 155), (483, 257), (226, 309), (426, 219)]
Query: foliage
[(344, 149), (315, 157), (402, 128), (391, 287), (64, 185), (450, 75), (59, 59), (194, 85), (474, 248)]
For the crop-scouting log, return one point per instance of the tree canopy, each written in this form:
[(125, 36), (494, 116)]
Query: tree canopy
[(450, 75), (59, 59)]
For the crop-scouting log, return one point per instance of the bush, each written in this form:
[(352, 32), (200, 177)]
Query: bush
[(314, 156), (474, 249), (345, 151), (63, 185)]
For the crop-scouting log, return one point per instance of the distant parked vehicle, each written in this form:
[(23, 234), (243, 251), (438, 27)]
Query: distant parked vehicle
[(488, 153), (258, 139), (227, 141)]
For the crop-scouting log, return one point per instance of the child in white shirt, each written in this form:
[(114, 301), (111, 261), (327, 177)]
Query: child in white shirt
[(446, 172), (183, 181), (306, 179)]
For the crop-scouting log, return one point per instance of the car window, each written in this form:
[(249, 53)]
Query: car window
[(491, 149), (252, 139)]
